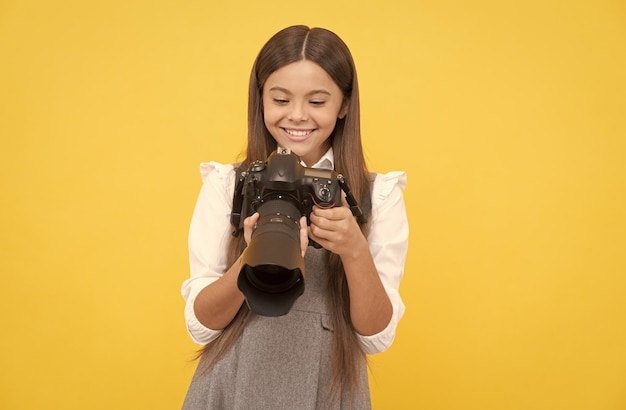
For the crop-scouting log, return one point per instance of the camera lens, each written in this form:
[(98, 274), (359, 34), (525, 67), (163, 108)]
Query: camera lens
[(271, 278), (272, 264)]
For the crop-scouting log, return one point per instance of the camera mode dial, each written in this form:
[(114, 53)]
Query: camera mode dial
[(257, 166), (324, 193), (323, 189)]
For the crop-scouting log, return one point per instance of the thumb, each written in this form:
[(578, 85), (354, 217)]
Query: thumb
[(304, 235), (249, 225)]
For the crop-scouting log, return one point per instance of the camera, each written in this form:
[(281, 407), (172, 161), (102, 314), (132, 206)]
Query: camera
[(281, 190)]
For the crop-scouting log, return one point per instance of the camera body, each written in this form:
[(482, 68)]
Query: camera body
[(281, 190), (281, 176)]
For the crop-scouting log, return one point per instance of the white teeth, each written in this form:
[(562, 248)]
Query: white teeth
[(297, 133)]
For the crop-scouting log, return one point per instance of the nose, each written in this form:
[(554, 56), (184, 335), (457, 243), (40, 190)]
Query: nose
[(297, 112)]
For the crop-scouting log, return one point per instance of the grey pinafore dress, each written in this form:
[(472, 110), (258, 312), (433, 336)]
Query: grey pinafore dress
[(280, 363)]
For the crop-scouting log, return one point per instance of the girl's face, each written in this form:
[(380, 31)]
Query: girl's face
[(301, 104)]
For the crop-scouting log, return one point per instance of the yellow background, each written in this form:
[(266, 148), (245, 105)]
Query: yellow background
[(509, 118)]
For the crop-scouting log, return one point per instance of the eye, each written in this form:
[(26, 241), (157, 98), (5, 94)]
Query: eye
[(317, 103), (281, 101)]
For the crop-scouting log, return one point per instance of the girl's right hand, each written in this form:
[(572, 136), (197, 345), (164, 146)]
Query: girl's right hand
[(248, 226)]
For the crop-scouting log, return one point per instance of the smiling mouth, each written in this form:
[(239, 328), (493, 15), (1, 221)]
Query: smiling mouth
[(298, 133)]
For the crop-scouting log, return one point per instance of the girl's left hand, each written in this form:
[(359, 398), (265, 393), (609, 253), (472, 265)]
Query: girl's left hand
[(336, 229)]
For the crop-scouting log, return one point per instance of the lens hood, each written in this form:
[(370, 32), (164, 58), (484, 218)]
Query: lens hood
[(267, 303)]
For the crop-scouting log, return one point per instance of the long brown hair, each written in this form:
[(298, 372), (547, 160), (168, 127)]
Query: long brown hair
[(326, 49)]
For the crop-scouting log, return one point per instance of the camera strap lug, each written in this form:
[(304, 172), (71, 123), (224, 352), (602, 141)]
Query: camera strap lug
[(354, 206)]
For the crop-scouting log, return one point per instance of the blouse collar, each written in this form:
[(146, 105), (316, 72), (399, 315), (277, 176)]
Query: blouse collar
[(327, 161)]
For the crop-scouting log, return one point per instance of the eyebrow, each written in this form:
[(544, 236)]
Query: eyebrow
[(286, 91)]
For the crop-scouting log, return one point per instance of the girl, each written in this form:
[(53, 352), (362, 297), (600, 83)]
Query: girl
[(303, 96)]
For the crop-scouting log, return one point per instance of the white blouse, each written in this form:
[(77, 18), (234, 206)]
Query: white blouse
[(210, 230)]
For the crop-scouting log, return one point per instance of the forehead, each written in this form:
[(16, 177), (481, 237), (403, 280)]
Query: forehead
[(301, 75)]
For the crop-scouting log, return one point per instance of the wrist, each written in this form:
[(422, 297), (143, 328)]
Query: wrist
[(356, 251)]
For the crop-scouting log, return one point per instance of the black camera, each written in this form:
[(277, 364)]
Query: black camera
[(281, 190)]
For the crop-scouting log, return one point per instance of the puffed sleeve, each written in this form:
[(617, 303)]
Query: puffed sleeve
[(209, 233), (388, 243)]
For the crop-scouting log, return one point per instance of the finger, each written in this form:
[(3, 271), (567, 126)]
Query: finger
[(248, 226), (314, 237), (304, 236), (319, 215), (328, 217)]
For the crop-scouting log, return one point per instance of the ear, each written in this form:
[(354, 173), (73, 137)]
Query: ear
[(344, 110)]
